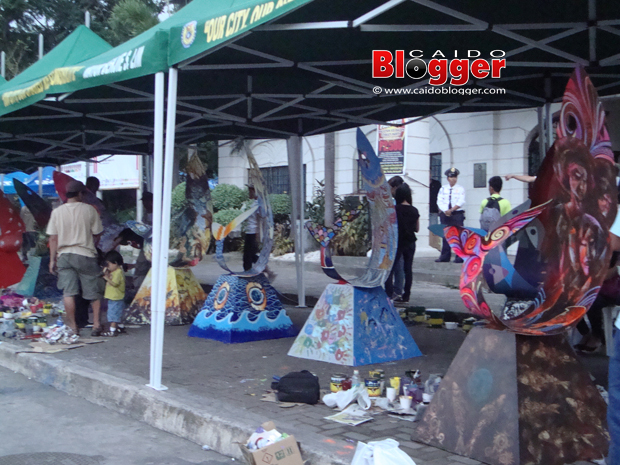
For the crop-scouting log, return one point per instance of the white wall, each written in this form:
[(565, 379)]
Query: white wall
[(495, 138)]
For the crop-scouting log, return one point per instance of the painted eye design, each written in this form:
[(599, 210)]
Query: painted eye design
[(221, 296), (257, 297)]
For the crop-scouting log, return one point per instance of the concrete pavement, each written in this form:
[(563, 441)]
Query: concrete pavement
[(215, 389), (49, 426)]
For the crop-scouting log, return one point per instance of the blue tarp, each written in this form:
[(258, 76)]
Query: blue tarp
[(8, 181), (48, 182)]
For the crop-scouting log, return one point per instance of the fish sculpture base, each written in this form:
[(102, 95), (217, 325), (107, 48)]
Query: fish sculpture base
[(354, 326), (510, 399), (12, 269), (184, 297), (38, 281), (242, 309)]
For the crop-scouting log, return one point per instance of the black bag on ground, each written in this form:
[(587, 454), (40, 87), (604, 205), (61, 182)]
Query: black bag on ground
[(298, 386)]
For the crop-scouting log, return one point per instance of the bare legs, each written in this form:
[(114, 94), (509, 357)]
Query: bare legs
[(69, 302)]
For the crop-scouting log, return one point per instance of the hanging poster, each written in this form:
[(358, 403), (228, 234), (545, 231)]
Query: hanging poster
[(391, 147), (117, 172), (77, 170)]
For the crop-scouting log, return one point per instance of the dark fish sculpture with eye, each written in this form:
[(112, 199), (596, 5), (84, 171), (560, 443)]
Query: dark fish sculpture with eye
[(383, 223)]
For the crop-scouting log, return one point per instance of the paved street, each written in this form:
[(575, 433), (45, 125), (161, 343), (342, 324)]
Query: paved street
[(215, 389), (41, 425)]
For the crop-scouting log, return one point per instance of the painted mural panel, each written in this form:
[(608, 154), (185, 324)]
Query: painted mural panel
[(563, 249)]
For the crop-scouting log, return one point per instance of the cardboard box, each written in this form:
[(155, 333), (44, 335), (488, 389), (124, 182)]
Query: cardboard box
[(283, 452)]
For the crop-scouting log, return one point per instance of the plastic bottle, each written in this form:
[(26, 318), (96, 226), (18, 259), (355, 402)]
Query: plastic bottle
[(355, 379), (59, 321)]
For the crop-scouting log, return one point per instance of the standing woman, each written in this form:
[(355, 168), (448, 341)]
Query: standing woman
[(408, 224)]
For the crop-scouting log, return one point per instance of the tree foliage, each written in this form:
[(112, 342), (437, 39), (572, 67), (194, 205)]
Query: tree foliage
[(130, 18), (227, 196), (21, 21)]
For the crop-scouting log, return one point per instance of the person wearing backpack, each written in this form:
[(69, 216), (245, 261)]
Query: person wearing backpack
[(493, 207)]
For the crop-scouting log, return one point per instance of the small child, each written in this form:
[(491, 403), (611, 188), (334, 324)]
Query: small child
[(114, 291)]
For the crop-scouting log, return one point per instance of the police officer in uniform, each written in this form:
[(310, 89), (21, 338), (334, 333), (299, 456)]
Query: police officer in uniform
[(450, 201)]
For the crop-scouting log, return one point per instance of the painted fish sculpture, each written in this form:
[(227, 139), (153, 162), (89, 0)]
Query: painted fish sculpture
[(190, 225), (262, 207), (574, 198), (39, 208), (382, 218), (11, 235)]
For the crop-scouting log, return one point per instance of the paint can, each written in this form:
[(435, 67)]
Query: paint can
[(379, 374), (417, 314), (435, 317), (468, 324), (373, 386), (336, 382)]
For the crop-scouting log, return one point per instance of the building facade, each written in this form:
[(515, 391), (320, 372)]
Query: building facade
[(479, 145)]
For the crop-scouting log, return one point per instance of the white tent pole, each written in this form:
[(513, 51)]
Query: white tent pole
[(139, 192), (158, 317), (40, 46), (3, 64), (295, 168), (87, 19), (2, 182), (40, 181), (302, 228), (158, 137)]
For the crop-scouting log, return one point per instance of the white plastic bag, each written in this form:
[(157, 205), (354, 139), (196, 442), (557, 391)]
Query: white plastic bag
[(384, 452), (344, 398)]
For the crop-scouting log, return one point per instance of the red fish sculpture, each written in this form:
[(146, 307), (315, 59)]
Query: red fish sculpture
[(574, 198), (11, 233)]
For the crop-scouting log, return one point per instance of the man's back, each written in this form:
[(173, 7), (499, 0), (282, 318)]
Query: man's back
[(75, 223)]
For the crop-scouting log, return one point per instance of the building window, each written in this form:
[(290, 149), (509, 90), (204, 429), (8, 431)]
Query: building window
[(436, 166), (277, 179)]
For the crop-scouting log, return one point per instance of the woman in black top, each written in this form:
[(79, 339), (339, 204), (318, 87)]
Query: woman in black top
[(408, 224)]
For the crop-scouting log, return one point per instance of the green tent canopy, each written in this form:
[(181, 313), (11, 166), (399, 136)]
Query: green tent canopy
[(55, 67), (83, 60), (278, 68)]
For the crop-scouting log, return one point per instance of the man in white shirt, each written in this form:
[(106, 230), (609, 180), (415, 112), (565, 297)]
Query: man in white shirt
[(73, 228), (450, 201)]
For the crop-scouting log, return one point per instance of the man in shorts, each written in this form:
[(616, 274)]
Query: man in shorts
[(73, 229)]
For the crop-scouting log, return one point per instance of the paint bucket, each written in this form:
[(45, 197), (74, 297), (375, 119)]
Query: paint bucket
[(435, 317), (42, 322), (336, 382), (20, 323), (373, 386), (47, 309), (417, 314), (468, 324), (380, 375)]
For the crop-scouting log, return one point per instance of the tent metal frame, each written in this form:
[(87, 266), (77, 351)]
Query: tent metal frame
[(126, 124)]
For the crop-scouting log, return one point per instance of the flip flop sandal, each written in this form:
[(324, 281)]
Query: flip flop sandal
[(96, 332), (108, 333)]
